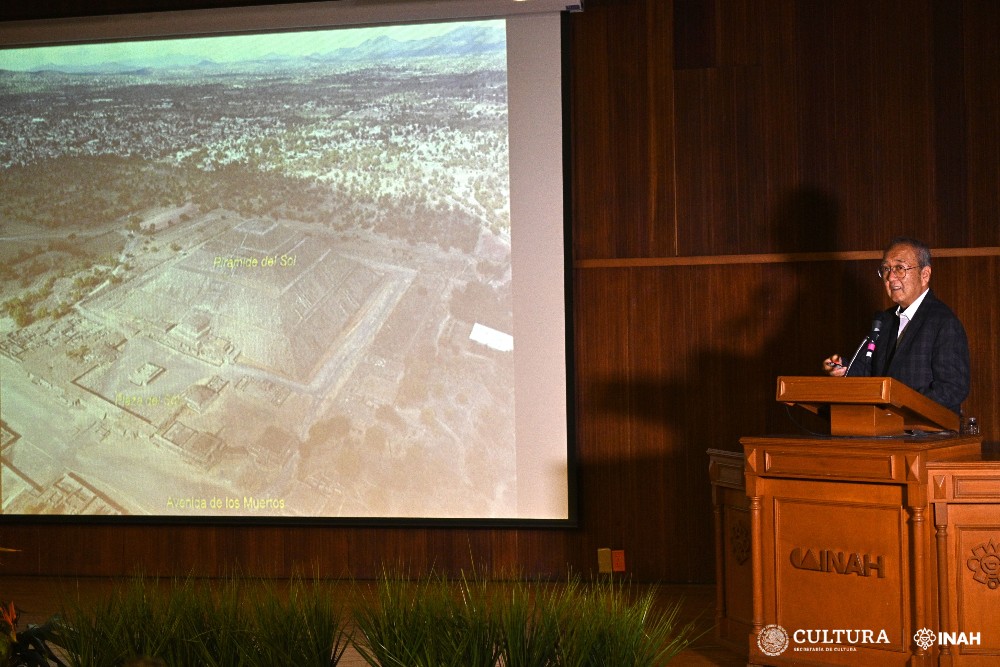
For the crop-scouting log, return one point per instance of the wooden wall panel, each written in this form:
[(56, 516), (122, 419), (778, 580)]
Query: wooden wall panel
[(601, 326), (723, 170), (853, 93), (622, 169), (716, 146), (950, 140), (981, 61)]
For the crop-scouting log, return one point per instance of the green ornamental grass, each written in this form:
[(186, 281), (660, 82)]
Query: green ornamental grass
[(198, 623), (394, 621)]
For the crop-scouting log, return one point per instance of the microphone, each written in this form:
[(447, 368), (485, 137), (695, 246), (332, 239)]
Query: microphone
[(870, 340), (873, 336)]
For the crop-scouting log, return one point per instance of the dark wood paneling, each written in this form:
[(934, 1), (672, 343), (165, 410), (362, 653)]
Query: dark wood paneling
[(982, 95), (882, 109), (797, 126), (622, 130), (695, 39), (950, 122)]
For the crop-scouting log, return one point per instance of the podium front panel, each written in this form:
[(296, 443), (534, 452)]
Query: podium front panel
[(845, 556), (838, 579)]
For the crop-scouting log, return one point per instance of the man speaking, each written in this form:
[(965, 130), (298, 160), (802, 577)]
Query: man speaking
[(919, 341)]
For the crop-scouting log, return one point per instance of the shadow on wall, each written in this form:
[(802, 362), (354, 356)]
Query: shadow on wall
[(758, 322)]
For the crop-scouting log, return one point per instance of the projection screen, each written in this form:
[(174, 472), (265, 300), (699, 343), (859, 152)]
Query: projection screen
[(300, 262)]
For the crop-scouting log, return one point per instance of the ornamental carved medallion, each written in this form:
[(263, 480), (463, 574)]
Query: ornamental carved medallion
[(739, 540), (985, 562)]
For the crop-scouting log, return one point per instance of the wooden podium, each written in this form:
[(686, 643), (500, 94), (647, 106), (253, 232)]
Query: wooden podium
[(844, 554), (867, 405)]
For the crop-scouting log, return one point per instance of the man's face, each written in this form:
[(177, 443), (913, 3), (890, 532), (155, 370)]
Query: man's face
[(905, 289)]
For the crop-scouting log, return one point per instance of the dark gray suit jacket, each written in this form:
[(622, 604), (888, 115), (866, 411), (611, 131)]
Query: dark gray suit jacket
[(932, 355)]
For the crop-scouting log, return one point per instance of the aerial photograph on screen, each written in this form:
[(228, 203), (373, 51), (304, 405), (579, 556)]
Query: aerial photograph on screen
[(258, 276)]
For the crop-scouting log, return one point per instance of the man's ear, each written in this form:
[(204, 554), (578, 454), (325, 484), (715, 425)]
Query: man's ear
[(925, 276)]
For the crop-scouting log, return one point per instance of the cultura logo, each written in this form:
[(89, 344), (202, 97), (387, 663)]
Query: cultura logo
[(772, 640)]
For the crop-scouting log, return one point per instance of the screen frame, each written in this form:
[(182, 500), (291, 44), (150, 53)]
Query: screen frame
[(320, 15)]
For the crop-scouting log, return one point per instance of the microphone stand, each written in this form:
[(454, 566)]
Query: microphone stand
[(856, 353)]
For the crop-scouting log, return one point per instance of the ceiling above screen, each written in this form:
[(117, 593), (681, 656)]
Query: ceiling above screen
[(291, 16)]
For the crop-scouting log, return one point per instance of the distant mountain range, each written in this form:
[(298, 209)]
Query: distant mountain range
[(464, 40)]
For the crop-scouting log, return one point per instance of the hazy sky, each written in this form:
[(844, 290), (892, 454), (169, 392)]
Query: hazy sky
[(219, 49)]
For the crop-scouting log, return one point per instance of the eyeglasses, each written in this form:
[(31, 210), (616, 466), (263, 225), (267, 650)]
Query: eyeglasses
[(897, 270)]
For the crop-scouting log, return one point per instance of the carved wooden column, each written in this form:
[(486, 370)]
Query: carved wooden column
[(921, 579), (943, 589), (756, 551)]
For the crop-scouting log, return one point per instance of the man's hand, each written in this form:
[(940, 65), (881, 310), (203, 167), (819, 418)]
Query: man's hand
[(834, 366)]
